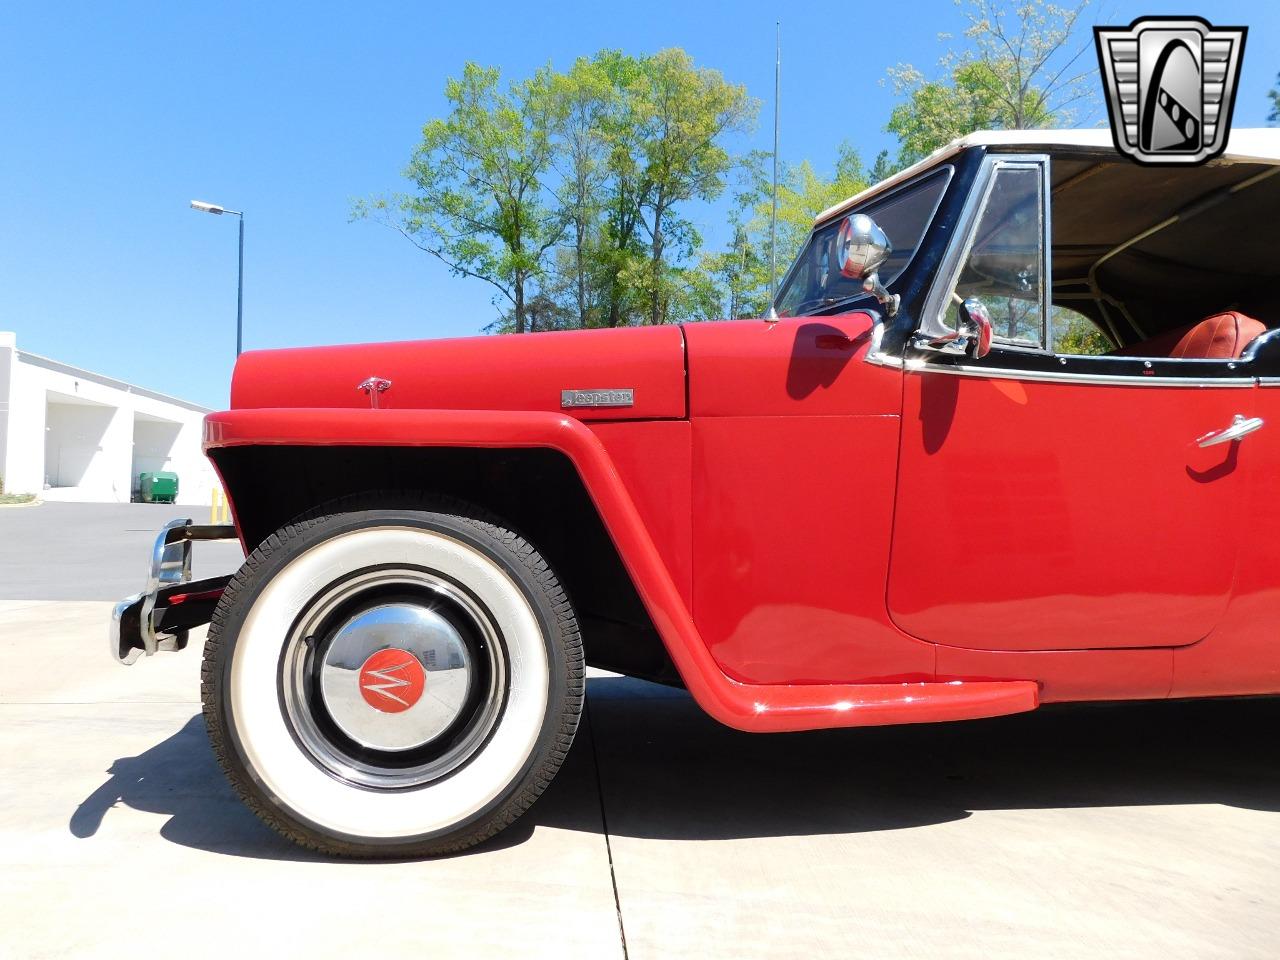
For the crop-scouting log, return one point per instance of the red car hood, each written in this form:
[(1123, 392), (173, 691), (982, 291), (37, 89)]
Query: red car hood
[(478, 373)]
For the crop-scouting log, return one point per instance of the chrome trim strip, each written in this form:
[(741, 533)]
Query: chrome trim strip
[(874, 356), (934, 305), (877, 335), (883, 360), (915, 365), (1046, 253), (996, 373)]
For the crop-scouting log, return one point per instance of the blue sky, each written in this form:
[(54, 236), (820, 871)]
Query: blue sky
[(114, 116)]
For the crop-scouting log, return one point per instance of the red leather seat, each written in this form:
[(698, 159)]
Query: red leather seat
[(1222, 336)]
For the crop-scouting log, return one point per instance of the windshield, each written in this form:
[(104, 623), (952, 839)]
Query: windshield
[(816, 281)]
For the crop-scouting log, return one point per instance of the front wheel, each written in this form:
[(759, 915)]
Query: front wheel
[(392, 682)]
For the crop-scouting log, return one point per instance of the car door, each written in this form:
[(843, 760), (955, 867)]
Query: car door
[(1050, 502)]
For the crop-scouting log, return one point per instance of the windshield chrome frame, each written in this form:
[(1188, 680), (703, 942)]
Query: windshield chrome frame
[(946, 170), (935, 303)]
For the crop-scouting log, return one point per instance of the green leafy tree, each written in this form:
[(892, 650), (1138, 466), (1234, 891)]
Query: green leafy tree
[(1076, 334), (685, 113), (542, 312), (640, 138), (803, 193), (617, 246), (1021, 70), (883, 168), (479, 203), (938, 111), (1274, 96), (1024, 67), (736, 279), (587, 103), (568, 192)]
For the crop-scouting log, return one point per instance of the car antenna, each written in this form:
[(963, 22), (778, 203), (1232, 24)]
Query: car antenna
[(773, 220)]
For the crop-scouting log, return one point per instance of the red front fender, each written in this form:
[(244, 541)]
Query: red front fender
[(753, 707)]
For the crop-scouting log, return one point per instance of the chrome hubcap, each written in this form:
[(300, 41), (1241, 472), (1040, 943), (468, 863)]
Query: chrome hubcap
[(394, 677)]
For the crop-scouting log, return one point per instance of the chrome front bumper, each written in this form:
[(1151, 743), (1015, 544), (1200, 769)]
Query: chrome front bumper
[(171, 603)]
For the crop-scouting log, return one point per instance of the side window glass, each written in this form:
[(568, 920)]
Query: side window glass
[(1076, 335), (1005, 264)]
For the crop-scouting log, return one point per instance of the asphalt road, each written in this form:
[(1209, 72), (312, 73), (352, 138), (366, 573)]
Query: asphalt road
[(94, 551), (1149, 830)]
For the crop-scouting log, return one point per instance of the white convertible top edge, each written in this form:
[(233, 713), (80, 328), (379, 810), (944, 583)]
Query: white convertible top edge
[(1257, 145)]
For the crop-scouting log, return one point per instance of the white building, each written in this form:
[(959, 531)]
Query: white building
[(70, 434)]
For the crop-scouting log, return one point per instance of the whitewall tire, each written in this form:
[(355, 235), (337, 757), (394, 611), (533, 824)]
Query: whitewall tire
[(392, 682)]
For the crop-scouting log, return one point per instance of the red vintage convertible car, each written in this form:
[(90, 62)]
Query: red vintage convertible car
[(1012, 438)]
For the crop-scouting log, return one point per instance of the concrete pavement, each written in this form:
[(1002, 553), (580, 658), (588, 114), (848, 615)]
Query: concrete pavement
[(119, 836), (1150, 830), (93, 551), (1136, 831)]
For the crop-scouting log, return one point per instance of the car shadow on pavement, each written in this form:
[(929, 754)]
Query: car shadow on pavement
[(667, 771), (179, 778)]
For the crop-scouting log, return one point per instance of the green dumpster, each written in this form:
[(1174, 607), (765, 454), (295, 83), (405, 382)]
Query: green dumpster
[(161, 487)]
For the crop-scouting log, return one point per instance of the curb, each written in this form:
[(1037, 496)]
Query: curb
[(17, 506)]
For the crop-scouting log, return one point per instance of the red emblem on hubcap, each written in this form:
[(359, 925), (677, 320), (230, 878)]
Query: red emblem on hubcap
[(392, 680)]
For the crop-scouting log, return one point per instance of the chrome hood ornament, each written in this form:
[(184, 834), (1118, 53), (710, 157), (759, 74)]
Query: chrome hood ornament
[(374, 387)]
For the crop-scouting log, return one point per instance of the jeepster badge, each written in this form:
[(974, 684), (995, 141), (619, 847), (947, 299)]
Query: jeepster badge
[(1171, 87), (611, 397)]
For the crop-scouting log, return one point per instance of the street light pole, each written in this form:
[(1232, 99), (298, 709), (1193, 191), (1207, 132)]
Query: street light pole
[(240, 292), (219, 211)]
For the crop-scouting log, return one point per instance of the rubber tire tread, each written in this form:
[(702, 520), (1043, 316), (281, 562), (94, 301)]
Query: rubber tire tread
[(553, 744)]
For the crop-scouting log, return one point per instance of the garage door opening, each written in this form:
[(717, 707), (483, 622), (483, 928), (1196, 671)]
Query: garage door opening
[(154, 440), (73, 444)]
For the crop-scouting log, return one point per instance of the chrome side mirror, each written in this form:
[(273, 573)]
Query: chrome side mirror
[(970, 338), (975, 325), (861, 249)]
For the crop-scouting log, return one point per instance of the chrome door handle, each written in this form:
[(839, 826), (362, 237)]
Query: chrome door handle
[(1241, 426)]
